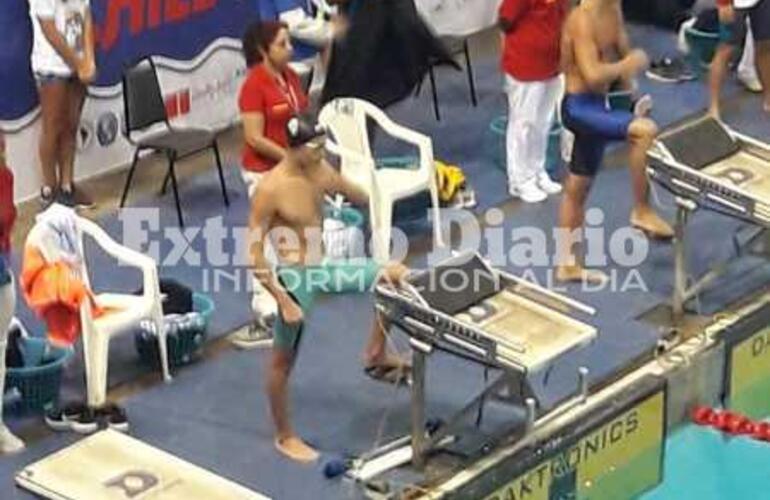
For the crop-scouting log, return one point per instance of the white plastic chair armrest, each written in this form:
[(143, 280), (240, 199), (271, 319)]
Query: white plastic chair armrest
[(346, 153), (394, 129), (125, 255)]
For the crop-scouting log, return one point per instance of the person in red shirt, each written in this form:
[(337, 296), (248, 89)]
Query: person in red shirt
[(269, 97), (530, 61)]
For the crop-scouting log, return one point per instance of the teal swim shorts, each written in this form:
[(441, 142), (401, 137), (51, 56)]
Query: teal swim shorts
[(303, 283)]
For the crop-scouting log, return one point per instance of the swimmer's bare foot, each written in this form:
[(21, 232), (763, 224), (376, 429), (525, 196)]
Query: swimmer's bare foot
[(395, 272), (651, 224), (579, 274), (296, 449)]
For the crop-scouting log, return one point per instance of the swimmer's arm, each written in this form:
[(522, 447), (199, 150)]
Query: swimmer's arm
[(254, 135), (263, 211), (57, 41), (510, 12), (334, 183), (596, 73)]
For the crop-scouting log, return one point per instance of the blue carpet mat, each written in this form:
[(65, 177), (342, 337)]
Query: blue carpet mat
[(214, 414)]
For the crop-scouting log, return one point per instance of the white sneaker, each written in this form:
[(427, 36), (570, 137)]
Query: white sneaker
[(548, 186), (9, 443), (751, 82), (254, 336), (529, 192), (643, 106)]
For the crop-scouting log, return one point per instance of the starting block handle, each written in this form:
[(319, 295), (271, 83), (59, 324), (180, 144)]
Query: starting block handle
[(574, 304), (584, 385)]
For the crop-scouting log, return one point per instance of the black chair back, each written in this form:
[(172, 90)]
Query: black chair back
[(142, 96)]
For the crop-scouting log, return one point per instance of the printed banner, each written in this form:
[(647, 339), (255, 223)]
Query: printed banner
[(125, 30)]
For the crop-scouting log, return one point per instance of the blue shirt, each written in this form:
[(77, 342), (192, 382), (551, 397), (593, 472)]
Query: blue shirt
[(5, 272), (272, 9)]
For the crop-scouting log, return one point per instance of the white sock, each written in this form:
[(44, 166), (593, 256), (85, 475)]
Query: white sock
[(9, 443)]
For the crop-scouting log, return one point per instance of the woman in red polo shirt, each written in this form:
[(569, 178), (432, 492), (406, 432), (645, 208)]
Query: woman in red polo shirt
[(270, 96)]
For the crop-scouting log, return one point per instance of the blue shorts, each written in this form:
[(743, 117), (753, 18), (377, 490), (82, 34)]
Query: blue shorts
[(594, 124)]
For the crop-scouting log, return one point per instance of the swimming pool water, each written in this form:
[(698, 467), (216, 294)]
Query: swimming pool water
[(704, 464)]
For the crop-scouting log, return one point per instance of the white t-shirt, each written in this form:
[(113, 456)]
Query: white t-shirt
[(69, 17), (745, 4)]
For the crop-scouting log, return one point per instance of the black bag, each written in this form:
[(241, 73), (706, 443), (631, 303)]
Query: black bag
[(384, 55), (664, 13), (177, 298), (707, 21)]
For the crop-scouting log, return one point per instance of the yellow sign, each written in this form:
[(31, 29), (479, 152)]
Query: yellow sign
[(620, 459), (750, 375)]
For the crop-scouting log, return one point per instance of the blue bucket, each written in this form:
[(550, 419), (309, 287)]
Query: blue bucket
[(39, 380), (183, 346), (553, 162)]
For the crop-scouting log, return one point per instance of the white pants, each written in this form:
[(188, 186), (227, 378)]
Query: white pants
[(531, 107), (7, 305), (747, 68)]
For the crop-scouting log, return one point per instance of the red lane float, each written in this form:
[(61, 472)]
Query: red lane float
[(731, 423)]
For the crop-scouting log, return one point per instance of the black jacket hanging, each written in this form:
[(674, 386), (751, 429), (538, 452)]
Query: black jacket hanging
[(384, 55)]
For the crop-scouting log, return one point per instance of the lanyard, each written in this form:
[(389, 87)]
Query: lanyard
[(288, 93)]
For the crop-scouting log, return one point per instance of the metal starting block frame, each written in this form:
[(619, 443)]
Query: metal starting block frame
[(430, 329), (718, 185)]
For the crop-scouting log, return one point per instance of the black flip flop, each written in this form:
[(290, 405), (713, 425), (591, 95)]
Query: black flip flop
[(394, 375)]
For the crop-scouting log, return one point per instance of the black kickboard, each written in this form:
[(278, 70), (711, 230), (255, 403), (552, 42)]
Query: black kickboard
[(442, 289), (701, 144)]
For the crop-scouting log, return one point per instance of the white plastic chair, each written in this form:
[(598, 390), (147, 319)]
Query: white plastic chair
[(130, 310), (345, 119)]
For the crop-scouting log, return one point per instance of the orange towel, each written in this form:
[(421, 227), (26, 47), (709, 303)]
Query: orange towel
[(55, 293)]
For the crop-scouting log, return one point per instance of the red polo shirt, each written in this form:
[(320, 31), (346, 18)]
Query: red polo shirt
[(531, 48), (261, 93)]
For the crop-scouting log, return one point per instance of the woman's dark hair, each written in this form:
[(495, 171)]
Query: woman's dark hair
[(259, 35)]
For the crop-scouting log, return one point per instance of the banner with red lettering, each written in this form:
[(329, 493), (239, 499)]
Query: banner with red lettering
[(196, 47), (126, 30)]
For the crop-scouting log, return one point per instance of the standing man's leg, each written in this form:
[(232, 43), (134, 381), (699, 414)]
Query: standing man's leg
[(376, 351), (76, 93), (8, 442), (53, 108), (760, 26), (747, 67), (569, 266), (641, 134), (732, 31), (523, 98), (287, 338), (286, 440), (550, 96)]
